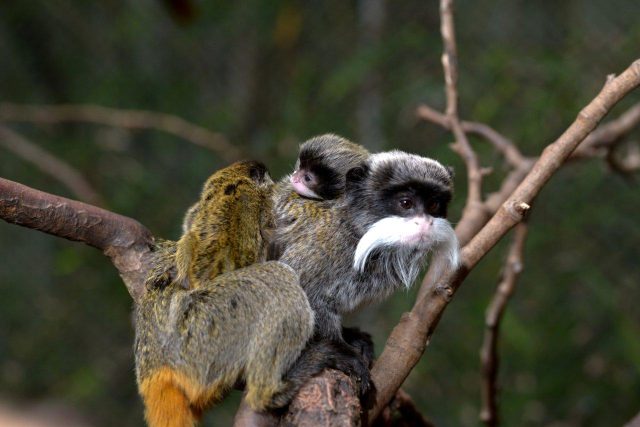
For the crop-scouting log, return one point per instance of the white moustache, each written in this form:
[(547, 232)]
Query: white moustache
[(424, 233)]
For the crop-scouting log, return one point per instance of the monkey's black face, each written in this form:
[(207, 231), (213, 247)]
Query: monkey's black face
[(415, 198), (401, 201), (322, 164), (314, 179)]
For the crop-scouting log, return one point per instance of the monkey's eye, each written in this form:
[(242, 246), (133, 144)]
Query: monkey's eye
[(406, 203), (307, 178), (433, 207)]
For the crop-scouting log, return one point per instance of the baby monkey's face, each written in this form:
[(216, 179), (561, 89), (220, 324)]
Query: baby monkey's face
[(306, 183), (322, 164)]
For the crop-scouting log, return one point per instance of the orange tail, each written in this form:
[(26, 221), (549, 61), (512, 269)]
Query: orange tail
[(166, 405)]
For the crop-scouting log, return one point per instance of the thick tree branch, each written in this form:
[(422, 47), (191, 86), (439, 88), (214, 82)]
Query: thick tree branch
[(127, 119), (49, 164), (122, 239), (327, 400), (409, 338), (489, 351)]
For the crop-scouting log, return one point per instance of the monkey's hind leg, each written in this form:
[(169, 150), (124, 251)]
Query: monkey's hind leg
[(166, 404), (264, 379), (272, 354)]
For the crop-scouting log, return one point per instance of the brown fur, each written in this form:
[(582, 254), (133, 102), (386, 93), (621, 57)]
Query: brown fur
[(228, 316), (223, 230)]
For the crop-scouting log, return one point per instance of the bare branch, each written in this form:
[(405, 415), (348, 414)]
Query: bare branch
[(49, 164), (505, 146), (634, 422), (127, 119), (461, 146), (329, 400), (609, 134), (602, 144), (489, 352), (122, 239), (627, 163), (402, 412), (409, 338)]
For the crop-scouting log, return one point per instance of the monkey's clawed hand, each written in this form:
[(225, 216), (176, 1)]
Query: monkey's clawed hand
[(353, 362), (361, 341)]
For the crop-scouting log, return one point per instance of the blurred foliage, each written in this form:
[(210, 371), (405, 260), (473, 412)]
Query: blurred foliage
[(271, 74)]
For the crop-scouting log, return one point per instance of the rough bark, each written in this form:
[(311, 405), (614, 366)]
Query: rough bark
[(124, 240)]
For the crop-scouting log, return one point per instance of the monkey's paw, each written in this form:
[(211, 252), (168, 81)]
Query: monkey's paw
[(361, 341), (350, 361)]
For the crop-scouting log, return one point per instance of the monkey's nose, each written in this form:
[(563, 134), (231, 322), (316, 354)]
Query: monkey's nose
[(423, 224)]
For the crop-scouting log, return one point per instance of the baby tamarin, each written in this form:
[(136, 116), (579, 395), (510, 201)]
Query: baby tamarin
[(322, 164), (225, 229), (360, 247), (227, 317), (319, 174)]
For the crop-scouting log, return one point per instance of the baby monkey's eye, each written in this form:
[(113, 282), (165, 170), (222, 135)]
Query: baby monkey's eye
[(307, 178), (433, 207), (406, 203)]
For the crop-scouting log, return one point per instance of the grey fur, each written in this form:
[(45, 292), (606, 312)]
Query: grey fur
[(319, 243), (336, 151)]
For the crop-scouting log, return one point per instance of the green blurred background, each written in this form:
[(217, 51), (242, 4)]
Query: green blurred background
[(269, 74)]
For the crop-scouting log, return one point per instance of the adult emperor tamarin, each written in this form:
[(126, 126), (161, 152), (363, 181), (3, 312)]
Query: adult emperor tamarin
[(373, 239)]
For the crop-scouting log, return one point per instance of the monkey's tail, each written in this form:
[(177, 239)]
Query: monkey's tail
[(166, 404)]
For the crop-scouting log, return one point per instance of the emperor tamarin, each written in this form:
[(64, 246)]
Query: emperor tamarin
[(362, 246)]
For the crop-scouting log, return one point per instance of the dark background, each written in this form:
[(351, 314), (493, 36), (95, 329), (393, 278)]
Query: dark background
[(268, 75)]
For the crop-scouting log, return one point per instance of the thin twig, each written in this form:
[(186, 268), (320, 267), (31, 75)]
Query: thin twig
[(127, 119), (504, 145), (627, 163), (49, 164), (489, 351), (602, 143), (462, 145)]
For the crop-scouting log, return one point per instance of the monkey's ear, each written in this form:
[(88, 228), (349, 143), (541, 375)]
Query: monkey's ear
[(357, 174), (257, 170)]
